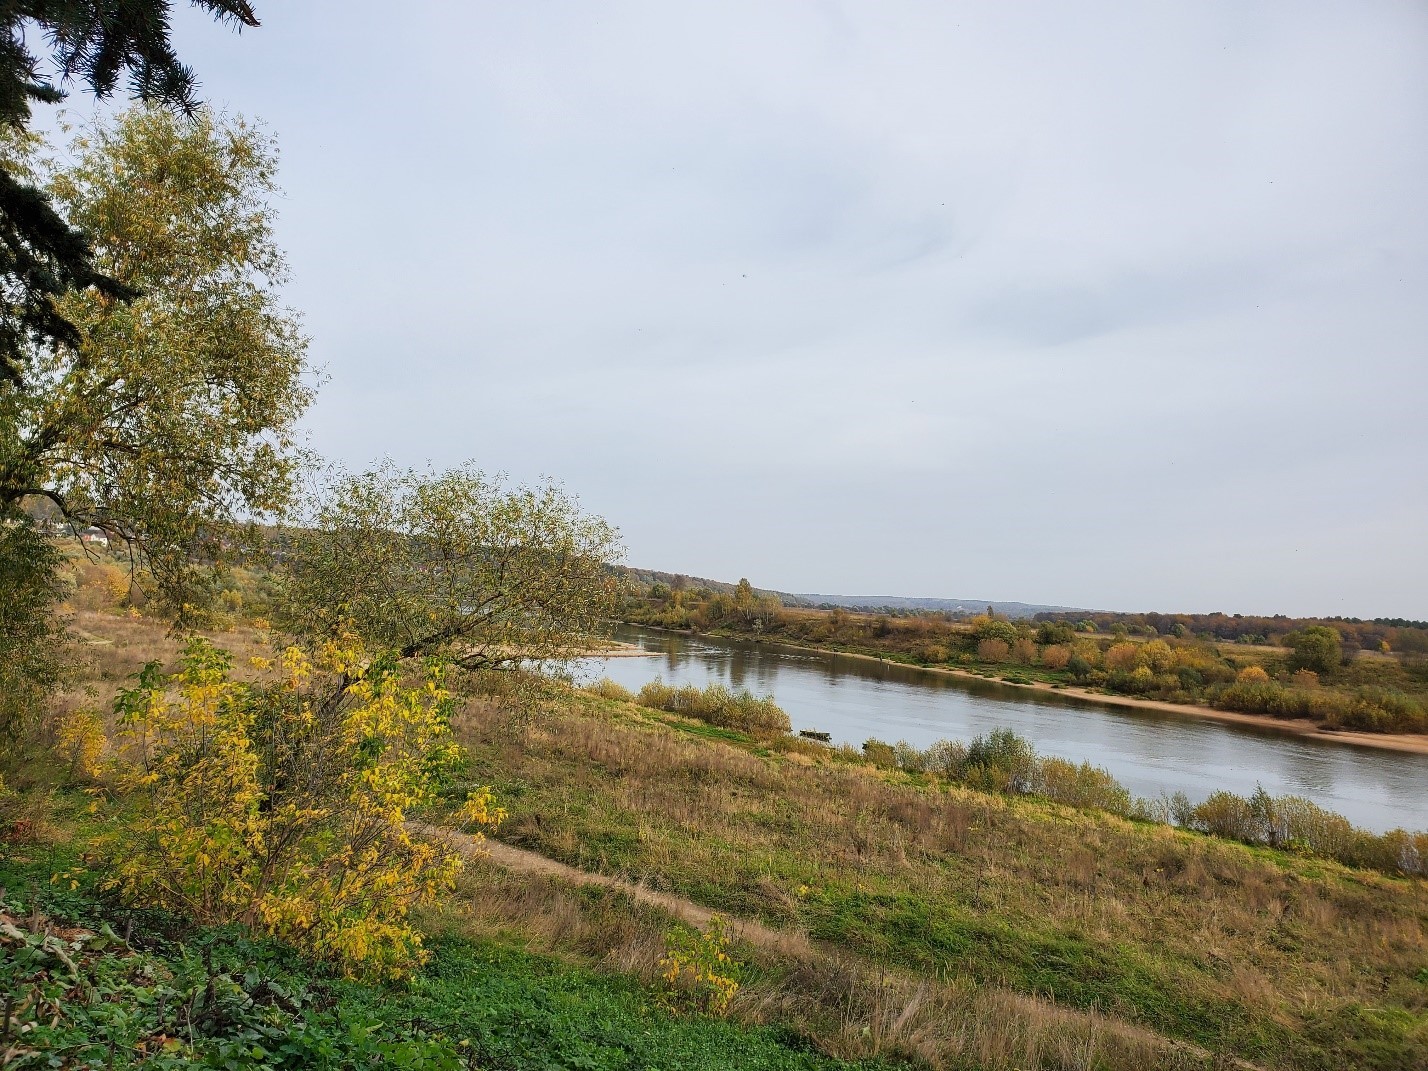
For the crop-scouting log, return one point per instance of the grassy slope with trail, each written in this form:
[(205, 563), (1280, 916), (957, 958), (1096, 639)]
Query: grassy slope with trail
[(1252, 953), (952, 927), (216, 998)]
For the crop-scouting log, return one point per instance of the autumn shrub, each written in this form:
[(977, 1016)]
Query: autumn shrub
[(1157, 656), (717, 705), (944, 757), (282, 807), (880, 754), (1122, 656), (1367, 709), (605, 688), (699, 973), (1297, 824), (1000, 761), (1224, 814), (1079, 786), (1252, 675), (1056, 656), (1384, 710), (79, 742), (1023, 651), (993, 650)]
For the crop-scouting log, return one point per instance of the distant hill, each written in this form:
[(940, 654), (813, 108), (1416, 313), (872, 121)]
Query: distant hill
[(954, 606), (855, 602)]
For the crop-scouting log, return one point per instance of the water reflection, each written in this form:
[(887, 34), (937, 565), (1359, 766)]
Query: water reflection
[(1151, 752)]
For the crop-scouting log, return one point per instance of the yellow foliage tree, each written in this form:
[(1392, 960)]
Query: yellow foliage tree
[(1157, 656), (79, 740), (1055, 656), (1122, 656), (283, 806), (1252, 675)]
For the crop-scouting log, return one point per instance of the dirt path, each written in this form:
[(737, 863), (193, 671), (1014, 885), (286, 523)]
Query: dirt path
[(755, 933), (527, 862)]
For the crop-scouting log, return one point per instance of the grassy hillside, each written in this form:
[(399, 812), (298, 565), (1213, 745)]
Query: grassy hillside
[(914, 920), (1243, 952), (176, 996)]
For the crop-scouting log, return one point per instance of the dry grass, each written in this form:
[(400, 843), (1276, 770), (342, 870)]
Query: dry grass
[(848, 1007), (1185, 926), (111, 648)]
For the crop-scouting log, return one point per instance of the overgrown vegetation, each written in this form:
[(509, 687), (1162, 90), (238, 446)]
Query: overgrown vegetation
[(1241, 950), (1003, 762), (1344, 675), (169, 996), (963, 927), (715, 704), (281, 806), (215, 866)]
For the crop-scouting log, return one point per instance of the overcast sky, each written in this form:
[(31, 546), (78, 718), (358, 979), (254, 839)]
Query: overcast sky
[(1109, 305)]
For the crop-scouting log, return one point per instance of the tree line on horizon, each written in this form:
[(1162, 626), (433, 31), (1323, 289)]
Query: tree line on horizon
[(1312, 670)]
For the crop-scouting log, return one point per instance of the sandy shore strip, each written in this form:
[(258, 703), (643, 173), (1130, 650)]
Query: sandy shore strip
[(617, 649)]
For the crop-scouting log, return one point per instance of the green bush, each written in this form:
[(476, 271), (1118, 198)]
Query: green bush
[(1001, 761), (1298, 824), (717, 705), (1080, 786), (1368, 709), (881, 754), (605, 688)]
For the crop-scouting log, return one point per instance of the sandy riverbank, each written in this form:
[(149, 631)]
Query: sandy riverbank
[(616, 649)]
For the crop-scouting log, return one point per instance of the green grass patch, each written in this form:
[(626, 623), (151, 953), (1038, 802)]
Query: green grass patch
[(216, 998), (708, 732)]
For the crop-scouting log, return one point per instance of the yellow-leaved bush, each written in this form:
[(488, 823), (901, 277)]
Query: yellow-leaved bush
[(283, 805), (698, 971)]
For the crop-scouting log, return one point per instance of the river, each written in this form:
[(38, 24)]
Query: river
[(1147, 751)]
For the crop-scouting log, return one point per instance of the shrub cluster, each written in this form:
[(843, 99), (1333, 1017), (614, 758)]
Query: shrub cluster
[(1384, 710), (717, 705), (1297, 824), (605, 688), (1002, 761)]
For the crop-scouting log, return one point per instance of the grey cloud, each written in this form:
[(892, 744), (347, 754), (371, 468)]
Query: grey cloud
[(1086, 304)]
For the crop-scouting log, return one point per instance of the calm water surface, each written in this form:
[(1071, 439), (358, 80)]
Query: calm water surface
[(1149, 752)]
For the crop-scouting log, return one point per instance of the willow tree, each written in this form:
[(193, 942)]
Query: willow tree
[(97, 45), (174, 415), (455, 565)]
